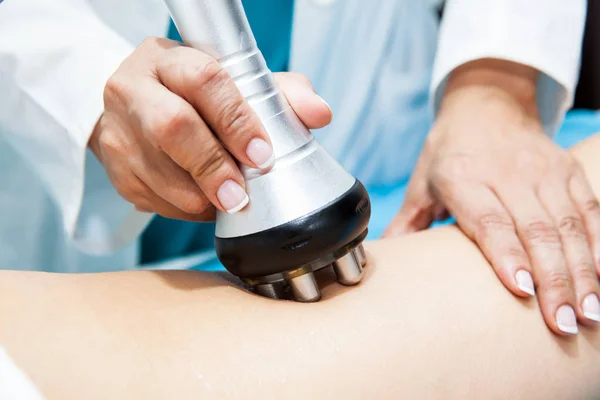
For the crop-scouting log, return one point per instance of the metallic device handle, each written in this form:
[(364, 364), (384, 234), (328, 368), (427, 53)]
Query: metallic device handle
[(221, 29)]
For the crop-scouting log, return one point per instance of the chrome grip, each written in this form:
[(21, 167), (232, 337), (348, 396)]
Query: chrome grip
[(221, 29)]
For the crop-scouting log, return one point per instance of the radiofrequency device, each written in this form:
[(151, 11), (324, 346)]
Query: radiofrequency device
[(306, 212)]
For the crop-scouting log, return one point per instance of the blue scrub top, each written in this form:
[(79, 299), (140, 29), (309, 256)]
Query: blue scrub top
[(271, 22)]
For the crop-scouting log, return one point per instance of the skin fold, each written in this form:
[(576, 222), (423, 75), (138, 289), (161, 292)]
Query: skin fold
[(430, 321)]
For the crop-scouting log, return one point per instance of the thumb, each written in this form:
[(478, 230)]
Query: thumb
[(312, 110), (419, 209)]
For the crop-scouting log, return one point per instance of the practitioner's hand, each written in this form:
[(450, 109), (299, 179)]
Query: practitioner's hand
[(171, 112), (521, 198)]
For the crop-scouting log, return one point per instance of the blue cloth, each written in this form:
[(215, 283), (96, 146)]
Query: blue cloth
[(272, 29), (164, 238)]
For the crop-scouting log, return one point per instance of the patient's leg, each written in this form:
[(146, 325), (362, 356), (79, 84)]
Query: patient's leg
[(430, 320)]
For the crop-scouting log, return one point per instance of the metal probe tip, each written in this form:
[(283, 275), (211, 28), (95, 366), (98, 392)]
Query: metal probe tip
[(305, 288), (349, 268), (361, 255), (271, 290)]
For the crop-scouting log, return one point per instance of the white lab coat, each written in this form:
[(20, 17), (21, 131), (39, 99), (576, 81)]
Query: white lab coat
[(373, 61)]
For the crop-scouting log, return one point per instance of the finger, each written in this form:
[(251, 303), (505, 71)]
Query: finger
[(584, 266), (170, 182), (542, 242), (132, 189), (174, 127), (209, 88), (575, 244), (312, 110), (588, 207), (146, 200), (483, 218), (419, 208)]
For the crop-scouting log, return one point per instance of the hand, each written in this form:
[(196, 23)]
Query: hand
[(172, 121), (523, 200)]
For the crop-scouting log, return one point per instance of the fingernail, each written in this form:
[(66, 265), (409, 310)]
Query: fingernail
[(591, 307), (525, 282), (260, 153), (232, 197), (566, 320), (324, 102)]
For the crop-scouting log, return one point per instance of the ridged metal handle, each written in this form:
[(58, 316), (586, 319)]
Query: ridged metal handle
[(221, 29)]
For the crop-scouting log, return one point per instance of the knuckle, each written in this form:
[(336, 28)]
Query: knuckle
[(110, 145), (540, 233), (490, 222), (556, 281), (148, 41), (211, 75), (194, 205), (591, 206), (572, 226), (234, 118), (495, 220), (115, 90), (517, 252), (585, 271), (152, 41), (208, 163), (169, 124)]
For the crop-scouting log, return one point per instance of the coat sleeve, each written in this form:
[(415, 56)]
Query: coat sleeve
[(55, 57), (544, 34)]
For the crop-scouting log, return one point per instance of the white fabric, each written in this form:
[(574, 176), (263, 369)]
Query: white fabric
[(373, 61), (54, 60), (14, 384), (544, 34)]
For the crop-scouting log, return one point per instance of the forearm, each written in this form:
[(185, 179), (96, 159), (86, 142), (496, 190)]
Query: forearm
[(430, 320), (486, 80), (544, 35)]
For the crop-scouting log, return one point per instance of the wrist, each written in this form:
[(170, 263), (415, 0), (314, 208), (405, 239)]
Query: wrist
[(93, 142), (503, 86)]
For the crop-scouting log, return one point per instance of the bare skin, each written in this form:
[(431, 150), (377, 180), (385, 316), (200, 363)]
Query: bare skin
[(430, 320), (174, 124), (524, 200)]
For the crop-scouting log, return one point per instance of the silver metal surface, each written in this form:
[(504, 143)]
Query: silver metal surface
[(361, 255), (220, 28), (305, 288), (304, 177), (272, 290), (348, 269), (292, 189)]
